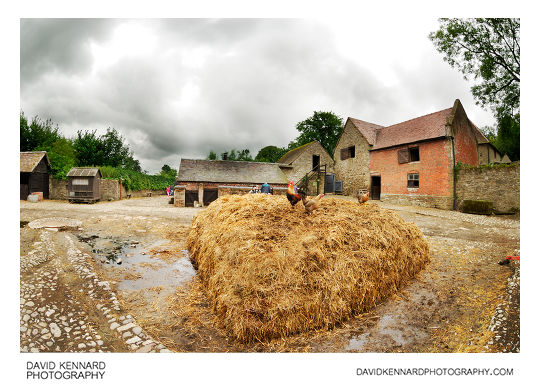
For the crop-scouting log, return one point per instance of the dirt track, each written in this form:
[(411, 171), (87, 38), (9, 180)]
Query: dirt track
[(458, 303)]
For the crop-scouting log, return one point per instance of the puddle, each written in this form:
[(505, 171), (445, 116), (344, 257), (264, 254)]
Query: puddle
[(157, 273), (147, 270), (358, 342), (385, 328)]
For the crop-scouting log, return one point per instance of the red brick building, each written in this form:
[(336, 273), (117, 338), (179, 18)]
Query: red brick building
[(413, 162)]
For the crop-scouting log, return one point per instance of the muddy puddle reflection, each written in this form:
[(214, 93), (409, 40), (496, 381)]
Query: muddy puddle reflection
[(140, 264)]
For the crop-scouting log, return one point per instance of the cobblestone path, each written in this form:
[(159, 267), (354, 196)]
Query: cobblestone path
[(82, 316)]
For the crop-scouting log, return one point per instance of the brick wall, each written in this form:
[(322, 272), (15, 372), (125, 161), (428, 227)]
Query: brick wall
[(354, 172), (434, 170), (465, 145), (498, 184)]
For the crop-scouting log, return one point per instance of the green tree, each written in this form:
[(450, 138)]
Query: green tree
[(270, 154), (62, 157), (322, 126), (88, 149), (167, 171), (212, 155), (489, 51), (39, 133)]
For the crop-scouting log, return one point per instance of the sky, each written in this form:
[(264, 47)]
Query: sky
[(178, 88)]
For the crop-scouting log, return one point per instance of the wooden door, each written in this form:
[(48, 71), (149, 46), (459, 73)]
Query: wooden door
[(375, 187)]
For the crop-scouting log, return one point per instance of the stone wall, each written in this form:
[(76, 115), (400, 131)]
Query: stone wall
[(109, 189), (498, 184), (58, 189), (428, 201), (354, 172)]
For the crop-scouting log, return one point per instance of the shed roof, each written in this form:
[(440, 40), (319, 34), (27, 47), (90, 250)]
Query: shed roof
[(289, 157), (31, 159), (368, 130), (429, 126), (197, 170), (83, 172)]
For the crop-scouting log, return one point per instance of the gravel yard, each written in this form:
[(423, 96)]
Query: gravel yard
[(114, 283)]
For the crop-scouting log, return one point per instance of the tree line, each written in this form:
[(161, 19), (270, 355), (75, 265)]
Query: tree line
[(87, 148), (322, 126)]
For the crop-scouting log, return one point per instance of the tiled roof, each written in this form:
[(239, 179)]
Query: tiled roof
[(289, 157), (83, 172), (196, 170), (31, 159), (426, 127), (368, 130)]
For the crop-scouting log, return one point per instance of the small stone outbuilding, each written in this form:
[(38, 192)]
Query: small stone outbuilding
[(310, 161)]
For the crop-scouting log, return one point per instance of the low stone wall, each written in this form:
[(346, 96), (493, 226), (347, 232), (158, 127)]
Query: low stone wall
[(440, 202), (498, 183), (110, 190), (58, 189)]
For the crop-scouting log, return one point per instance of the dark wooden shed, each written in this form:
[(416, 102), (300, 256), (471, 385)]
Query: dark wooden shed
[(84, 184), (35, 171)]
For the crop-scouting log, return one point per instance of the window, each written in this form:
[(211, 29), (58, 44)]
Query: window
[(410, 154), (413, 180), (347, 152), (414, 154), (80, 181)]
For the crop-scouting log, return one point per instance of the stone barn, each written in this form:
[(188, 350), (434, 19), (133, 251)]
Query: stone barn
[(35, 171), (309, 162), (203, 181)]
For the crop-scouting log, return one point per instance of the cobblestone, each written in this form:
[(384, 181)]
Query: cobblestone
[(55, 317)]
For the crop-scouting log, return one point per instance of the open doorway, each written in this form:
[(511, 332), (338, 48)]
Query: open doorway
[(375, 187), (316, 162)]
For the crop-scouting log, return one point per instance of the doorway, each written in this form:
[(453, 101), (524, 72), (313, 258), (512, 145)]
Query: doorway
[(375, 187)]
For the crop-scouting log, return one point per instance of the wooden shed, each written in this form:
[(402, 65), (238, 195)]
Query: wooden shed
[(84, 184), (35, 170)]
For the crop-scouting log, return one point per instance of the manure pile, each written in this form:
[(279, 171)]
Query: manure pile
[(271, 270)]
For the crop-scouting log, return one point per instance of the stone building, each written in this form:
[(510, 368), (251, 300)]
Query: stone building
[(412, 161), (206, 180), (351, 155), (310, 160)]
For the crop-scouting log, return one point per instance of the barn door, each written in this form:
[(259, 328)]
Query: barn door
[(25, 191), (375, 187), (191, 196), (209, 195)]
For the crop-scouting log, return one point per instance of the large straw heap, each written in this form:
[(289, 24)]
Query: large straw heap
[(272, 270)]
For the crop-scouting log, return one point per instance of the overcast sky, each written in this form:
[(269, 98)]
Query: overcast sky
[(178, 88)]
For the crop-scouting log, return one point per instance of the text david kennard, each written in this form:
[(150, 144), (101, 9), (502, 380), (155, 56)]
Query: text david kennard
[(65, 370)]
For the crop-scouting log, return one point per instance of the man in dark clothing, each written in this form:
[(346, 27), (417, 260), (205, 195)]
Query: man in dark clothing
[(265, 188)]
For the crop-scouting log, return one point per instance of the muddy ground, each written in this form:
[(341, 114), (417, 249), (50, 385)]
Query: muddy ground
[(464, 301)]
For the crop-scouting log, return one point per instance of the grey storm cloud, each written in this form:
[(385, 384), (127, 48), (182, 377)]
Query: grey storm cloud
[(181, 87)]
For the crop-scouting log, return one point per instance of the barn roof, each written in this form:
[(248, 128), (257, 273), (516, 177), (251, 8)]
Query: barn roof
[(289, 157), (368, 130), (31, 159), (429, 126), (83, 172), (197, 170)]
